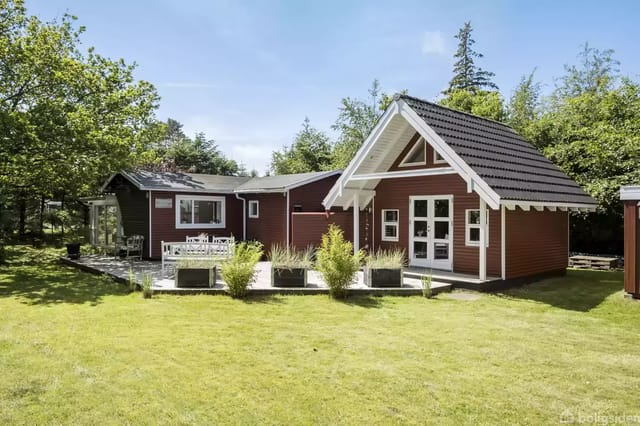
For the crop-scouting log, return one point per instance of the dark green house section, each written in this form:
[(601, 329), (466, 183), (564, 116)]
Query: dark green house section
[(134, 208)]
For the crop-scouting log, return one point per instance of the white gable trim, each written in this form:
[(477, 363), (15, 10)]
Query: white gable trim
[(368, 143), (433, 171), (416, 146), (449, 155)]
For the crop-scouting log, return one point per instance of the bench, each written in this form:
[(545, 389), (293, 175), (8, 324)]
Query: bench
[(217, 248)]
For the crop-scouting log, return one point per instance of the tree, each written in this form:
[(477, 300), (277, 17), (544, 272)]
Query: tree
[(67, 118), (199, 155), (466, 74), (310, 152), (524, 106), (591, 129), (482, 103), (356, 119)]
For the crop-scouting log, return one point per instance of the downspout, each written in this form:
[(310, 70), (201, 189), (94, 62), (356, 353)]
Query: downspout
[(288, 220), (150, 227), (244, 216)]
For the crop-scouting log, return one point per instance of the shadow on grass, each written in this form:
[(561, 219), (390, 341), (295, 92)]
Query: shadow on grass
[(36, 279), (362, 301), (270, 299), (579, 290)]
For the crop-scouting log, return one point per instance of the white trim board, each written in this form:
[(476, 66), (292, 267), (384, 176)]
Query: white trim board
[(541, 205), (433, 171)]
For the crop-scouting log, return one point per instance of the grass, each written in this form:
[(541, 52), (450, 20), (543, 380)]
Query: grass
[(76, 348)]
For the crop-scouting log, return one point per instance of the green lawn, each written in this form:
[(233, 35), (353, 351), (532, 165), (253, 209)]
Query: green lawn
[(75, 348)]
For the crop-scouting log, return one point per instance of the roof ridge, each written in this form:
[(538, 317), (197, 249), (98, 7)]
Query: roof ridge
[(404, 96)]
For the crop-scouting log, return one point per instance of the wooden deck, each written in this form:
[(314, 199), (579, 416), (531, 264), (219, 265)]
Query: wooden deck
[(163, 284), (593, 262)]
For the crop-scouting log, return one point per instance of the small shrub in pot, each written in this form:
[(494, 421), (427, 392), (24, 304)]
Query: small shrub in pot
[(239, 271), (336, 261)]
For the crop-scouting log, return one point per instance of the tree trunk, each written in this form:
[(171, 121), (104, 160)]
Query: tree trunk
[(41, 224), (22, 216), (62, 221)]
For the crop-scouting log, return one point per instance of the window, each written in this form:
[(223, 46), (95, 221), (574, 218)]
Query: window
[(437, 158), (390, 222), (417, 156), (194, 211), (472, 229), (254, 209)]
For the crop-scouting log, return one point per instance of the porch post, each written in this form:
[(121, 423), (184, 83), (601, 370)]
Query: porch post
[(483, 240), (356, 223)]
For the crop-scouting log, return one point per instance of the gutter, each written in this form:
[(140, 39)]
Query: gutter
[(244, 216)]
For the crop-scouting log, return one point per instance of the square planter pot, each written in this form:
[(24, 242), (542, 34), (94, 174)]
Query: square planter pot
[(283, 277), (73, 250), (383, 277), (196, 277)]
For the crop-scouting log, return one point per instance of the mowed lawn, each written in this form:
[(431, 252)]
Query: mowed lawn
[(76, 348)]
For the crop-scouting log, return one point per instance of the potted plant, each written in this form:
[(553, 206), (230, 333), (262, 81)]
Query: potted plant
[(73, 250), (196, 273), (384, 268), (336, 262), (240, 271), (289, 266)]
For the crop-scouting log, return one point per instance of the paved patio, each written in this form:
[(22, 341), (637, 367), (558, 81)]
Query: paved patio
[(119, 269)]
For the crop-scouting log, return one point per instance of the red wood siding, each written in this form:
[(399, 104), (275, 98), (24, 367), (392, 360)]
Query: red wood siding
[(631, 248), (395, 193), (536, 242), (310, 196), (163, 221), (309, 227), (271, 226), (430, 156)]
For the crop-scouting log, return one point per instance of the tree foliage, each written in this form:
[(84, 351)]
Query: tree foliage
[(524, 107), (68, 118), (487, 104), (311, 151), (356, 119), (466, 74)]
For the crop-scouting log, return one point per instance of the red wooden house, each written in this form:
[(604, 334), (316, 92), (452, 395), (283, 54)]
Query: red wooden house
[(459, 193)]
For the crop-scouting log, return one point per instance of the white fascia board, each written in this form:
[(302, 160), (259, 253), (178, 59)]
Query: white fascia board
[(404, 173), (450, 156), (511, 204), (630, 192), (392, 110), (314, 179)]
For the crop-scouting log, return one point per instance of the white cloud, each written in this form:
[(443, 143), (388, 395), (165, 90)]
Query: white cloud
[(433, 42)]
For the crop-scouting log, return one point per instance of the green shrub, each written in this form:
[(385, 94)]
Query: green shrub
[(147, 282), (239, 271), (386, 259), (336, 261), (132, 280), (290, 258), (426, 286)]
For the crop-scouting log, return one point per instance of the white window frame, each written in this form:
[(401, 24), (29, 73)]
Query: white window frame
[(436, 160), (257, 204), (223, 212), (414, 148), (468, 226), (386, 223)]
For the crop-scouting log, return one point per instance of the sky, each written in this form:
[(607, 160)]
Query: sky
[(247, 73)]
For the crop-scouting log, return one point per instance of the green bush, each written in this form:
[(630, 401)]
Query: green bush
[(386, 259), (290, 258), (147, 291), (426, 286), (239, 271), (336, 261)]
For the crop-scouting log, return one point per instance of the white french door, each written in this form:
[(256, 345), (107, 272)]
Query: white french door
[(431, 231)]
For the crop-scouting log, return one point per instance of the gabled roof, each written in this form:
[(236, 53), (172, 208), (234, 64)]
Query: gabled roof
[(280, 183), (180, 182), (509, 164), (491, 157)]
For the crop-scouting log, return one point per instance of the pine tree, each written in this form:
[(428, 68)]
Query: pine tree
[(466, 74)]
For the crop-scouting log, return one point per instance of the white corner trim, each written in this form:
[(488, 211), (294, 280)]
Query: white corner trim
[(449, 155), (150, 226), (503, 239), (368, 143)]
